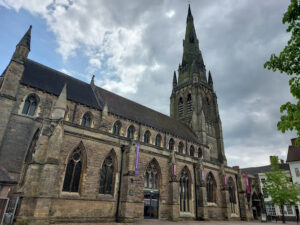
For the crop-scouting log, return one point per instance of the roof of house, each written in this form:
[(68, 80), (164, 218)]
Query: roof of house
[(264, 169), (293, 152), (49, 80), (4, 177)]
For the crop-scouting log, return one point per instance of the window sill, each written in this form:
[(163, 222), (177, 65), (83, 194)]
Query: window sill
[(185, 214)]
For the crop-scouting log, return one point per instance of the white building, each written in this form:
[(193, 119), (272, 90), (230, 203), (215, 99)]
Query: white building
[(293, 159), (272, 210)]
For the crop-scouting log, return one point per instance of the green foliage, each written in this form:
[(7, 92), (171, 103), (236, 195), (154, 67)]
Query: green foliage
[(279, 187), (288, 62)]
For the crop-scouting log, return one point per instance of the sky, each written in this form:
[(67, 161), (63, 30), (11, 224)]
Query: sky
[(133, 47)]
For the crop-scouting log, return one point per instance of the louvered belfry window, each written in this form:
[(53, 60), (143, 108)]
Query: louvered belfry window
[(106, 177), (180, 107), (184, 191), (73, 171), (30, 105), (189, 104)]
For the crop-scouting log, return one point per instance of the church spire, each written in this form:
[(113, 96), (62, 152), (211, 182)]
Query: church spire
[(191, 51), (23, 47)]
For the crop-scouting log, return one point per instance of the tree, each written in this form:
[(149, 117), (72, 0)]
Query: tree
[(288, 62), (280, 188)]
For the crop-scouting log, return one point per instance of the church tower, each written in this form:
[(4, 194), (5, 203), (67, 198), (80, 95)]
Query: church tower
[(193, 100)]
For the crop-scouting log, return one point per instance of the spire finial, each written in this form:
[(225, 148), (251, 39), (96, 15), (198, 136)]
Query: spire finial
[(26, 39), (23, 47), (210, 80)]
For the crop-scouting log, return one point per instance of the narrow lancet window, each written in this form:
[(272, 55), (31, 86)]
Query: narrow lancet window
[(117, 128), (171, 144), (86, 120), (211, 188), (192, 151), (130, 132), (30, 105), (185, 191), (180, 147), (147, 137), (106, 177), (158, 140), (180, 107)]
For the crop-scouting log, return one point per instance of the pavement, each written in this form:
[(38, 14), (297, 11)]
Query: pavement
[(165, 222)]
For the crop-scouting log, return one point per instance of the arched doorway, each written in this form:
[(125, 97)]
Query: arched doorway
[(256, 209), (151, 191)]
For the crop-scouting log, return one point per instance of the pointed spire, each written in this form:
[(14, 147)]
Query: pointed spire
[(23, 47), (26, 39), (189, 16), (174, 80), (60, 106), (210, 80)]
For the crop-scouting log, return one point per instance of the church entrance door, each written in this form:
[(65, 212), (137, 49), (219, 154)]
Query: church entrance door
[(151, 204)]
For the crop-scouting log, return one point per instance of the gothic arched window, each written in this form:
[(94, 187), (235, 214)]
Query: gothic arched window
[(200, 153), (171, 144), (185, 192), (180, 107), (192, 151), (211, 188), (189, 103), (158, 140), (151, 176), (231, 190), (147, 137), (28, 157), (30, 105), (86, 120), (117, 128), (73, 171), (106, 177), (180, 147), (130, 132)]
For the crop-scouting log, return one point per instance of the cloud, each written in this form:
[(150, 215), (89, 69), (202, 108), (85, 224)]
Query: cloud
[(133, 47)]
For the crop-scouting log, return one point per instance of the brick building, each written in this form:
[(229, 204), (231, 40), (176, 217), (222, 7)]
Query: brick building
[(81, 153)]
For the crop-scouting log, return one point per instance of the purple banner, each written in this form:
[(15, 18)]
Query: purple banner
[(203, 175), (137, 159), (174, 169), (247, 183)]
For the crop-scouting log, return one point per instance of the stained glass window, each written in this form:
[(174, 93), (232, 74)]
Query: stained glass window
[(211, 188), (30, 105), (171, 144), (180, 147), (73, 171), (184, 191), (151, 177), (117, 128), (106, 177), (130, 132), (86, 120), (158, 140), (147, 136)]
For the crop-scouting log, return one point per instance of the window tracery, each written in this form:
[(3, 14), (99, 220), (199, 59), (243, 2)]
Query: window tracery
[(30, 105), (73, 171), (151, 176), (86, 120), (211, 188), (106, 177), (185, 191)]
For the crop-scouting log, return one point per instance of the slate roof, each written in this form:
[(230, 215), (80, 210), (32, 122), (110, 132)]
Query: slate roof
[(293, 152), (46, 79), (264, 169), (4, 177), (52, 81), (139, 113)]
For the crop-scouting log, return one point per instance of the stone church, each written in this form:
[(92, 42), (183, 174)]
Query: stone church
[(79, 153)]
